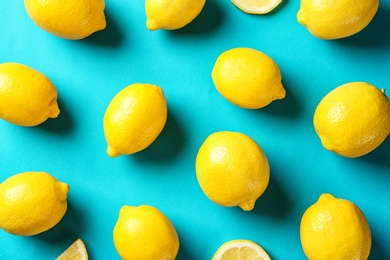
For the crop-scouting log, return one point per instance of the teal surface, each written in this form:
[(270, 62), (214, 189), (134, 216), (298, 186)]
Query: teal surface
[(88, 73)]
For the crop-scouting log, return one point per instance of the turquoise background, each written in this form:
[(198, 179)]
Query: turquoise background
[(88, 73)]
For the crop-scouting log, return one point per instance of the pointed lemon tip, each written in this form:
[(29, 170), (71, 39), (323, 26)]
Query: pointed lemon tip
[(247, 206), (112, 152), (54, 109), (301, 17), (64, 187), (152, 24), (281, 93), (326, 196)]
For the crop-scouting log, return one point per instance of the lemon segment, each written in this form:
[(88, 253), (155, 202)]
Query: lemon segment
[(71, 19), (27, 97), (256, 6), (144, 232), (31, 203), (232, 169), (171, 14), (353, 119), (333, 19), (134, 118), (239, 250), (247, 78), (335, 228), (76, 251)]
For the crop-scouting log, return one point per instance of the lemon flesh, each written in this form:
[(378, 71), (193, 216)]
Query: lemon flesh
[(232, 169), (334, 19), (247, 78), (69, 19), (31, 203), (240, 249), (27, 97), (144, 232), (171, 14), (134, 118), (76, 251), (335, 229), (256, 6), (353, 119)]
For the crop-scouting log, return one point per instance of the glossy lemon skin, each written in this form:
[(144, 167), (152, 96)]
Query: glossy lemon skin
[(134, 119), (171, 14), (143, 233), (353, 119), (335, 229), (247, 78), (69, 19), (232, 169), (27, 97), (31, 203), (333, 19)]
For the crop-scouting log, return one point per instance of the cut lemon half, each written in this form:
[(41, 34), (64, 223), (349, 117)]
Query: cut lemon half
[(75, 251), (256, 6), (241, 250)]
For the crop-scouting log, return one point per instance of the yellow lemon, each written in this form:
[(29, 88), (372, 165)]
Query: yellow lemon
[(256, 6), (232, 169), (247, 78), (144, 232), (353, 119), (69, 19), (335, 229), (171, 14), (134, 118), (31, 203), (334, 19), (240, 249), (75, 251), (27, 97)]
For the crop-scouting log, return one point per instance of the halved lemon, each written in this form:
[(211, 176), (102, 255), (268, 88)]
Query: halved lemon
[(256, 6), (241, 250), (75, 251)]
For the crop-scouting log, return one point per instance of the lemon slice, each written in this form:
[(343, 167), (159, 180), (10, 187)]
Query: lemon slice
[(75, 251), (240, 250), (256, 6)]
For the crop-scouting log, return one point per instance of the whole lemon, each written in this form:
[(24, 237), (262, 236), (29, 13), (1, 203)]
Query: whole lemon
[(134, 118), (353, 119), (232, 169), (247, 78), (31, 203), (335, 229), (69, 19), (334, 19), (171, 14), (145, 233), (27, 97)]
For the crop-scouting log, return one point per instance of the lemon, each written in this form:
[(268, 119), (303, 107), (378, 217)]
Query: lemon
[(31, 203), (75, 251), (247, 78), (334, 19), (144, 232), (27, 97), (256, 6), (335, 229), (240, 249), (69, 19), (134, 118), (171, 14), (232, 169), (353, 119)]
